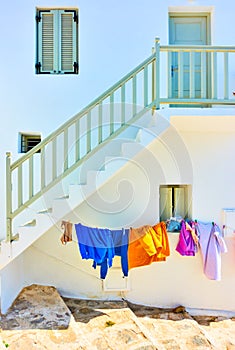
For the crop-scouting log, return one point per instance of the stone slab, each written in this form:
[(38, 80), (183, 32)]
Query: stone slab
[(40, 319)]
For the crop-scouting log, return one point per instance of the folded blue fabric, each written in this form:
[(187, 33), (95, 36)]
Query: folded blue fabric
[(173, 226)]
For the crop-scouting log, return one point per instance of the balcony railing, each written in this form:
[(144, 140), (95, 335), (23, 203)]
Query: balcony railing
[(173, 75), (195, 75)]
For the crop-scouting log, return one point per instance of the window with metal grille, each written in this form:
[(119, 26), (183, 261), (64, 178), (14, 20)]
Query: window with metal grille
[(28, 141), (56, 41)]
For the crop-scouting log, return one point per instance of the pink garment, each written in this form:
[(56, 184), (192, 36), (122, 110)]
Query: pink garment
[(186, 245), (211, 244)]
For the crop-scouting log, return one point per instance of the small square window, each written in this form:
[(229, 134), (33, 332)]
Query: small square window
[(175, 201), (56, 41), (28, 140)]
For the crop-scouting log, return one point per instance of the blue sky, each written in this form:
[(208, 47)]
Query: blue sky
[(113, 40)]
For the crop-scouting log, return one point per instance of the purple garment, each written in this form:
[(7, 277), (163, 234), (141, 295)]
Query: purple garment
[(211, 244), (186, 245)]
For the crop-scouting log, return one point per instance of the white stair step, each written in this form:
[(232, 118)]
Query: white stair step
[(113, 164), (147, 135), (45, 211), (130, 150), (29, 223), (63, 206)]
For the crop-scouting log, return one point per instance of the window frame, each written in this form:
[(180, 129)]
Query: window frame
[(23, 139), (56, 31), (170, 203)]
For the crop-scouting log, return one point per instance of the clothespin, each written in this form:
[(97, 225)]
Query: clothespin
[(223, 230)]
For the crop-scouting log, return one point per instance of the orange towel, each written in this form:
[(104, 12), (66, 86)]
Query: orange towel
[(147, 244)]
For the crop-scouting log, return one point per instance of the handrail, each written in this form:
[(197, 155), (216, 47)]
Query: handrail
[(193, 73), (144, 90), (84, 111), (197, 48), (147, 67)]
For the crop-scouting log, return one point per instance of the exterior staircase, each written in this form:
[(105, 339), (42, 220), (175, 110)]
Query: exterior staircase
[(39, 184), (60, 203), (46, 184), (51, 181)]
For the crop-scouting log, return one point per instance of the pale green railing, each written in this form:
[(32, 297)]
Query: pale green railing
[(201, 75), (141, 87), (136, 89)]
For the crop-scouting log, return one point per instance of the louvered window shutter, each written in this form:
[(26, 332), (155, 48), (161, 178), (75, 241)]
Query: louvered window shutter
[(68, 48), (57, 41), (46, 42)]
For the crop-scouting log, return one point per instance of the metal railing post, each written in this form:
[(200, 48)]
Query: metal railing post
[(8, 198), (157, 73)]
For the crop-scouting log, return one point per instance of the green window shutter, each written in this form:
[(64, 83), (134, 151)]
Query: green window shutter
[(57, 41), (68, 42), (46, 41)]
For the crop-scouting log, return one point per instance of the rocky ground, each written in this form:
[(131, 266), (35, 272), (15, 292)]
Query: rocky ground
[(41, 319)]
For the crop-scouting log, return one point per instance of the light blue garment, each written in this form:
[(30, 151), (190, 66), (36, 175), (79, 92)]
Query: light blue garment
[(173, 226), (211, 245)]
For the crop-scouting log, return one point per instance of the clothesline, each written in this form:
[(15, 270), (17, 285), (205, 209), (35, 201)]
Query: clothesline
[(67, 227), (136, 246), (147, 244)]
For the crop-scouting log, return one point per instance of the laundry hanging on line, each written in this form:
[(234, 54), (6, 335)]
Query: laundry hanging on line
[(67, 228), (145, 245), (188, 241), (211, 245), (148, 244), (206, 238), (102, 245)]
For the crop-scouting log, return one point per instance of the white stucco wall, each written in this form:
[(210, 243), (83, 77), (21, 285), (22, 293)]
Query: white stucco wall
[(210, 142), (41, 103), (131, 198), (180, 281), (202, 156), (12, 282)]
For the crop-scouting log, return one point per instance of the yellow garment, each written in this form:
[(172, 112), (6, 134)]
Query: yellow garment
[(147, 244)]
